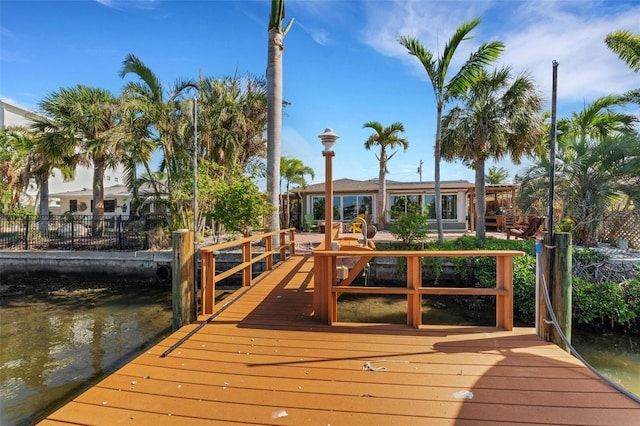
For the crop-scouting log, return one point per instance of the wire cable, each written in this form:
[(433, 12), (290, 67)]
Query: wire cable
[(574, 352)]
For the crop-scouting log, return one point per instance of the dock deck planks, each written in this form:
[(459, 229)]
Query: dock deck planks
[(265, 361)]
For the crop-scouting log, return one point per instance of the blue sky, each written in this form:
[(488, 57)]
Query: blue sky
[(343, 65)]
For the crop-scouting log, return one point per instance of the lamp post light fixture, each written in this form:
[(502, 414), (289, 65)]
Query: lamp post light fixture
[(328, 139)]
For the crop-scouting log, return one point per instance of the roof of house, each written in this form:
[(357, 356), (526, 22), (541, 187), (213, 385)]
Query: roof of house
[(109, 192), (371, 185)]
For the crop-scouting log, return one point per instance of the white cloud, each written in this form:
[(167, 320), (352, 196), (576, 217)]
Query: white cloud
[(535, 33)]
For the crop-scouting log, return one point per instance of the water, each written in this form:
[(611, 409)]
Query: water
[(54, 346), (616, 356)]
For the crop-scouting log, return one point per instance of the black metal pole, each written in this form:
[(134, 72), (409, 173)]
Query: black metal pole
[(552, 173)]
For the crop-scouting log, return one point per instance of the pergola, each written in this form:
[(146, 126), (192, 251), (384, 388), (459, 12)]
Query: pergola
[(501, 197)]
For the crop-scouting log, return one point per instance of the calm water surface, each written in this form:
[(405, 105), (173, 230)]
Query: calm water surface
[(55, 346)]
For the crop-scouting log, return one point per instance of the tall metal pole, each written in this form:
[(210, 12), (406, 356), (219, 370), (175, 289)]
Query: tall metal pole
[(552, 174), (195, 196)]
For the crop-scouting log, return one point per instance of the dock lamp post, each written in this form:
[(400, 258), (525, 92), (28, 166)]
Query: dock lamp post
[(328, 139)]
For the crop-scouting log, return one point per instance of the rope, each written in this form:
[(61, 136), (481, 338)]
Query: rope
[(368, 367), (573, 351)]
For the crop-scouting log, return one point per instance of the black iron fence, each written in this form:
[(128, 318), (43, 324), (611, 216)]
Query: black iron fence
[(77, 232)]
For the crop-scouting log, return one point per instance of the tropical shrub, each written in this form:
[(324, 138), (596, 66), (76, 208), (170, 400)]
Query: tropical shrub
[(410, 227)]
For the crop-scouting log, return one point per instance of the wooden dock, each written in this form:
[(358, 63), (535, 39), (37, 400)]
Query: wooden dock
[(264, 360)]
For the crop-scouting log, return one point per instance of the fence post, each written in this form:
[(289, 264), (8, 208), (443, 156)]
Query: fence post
[(559, 286), (26, 233), (117, 225), (182, 278)]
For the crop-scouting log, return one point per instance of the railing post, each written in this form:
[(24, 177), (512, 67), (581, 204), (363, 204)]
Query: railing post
[(182, 278), (208, 283), (247, 271), (414, 300), (504, 303)]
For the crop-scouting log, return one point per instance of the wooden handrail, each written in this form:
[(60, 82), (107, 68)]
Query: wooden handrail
[(327, 290), (285, 250)]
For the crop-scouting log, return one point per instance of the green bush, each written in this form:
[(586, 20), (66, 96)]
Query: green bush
[(410, 227), (605, 303)]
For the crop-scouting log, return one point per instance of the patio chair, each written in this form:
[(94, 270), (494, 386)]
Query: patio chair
[(309, 223), (356, 225), (527, 232)]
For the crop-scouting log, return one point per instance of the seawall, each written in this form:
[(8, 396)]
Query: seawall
[(127, 266)]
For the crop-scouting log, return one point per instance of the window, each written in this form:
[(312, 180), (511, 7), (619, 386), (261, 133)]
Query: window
[(73, 206), (345, 207), (404, 204), (449, 206), (109, 206)]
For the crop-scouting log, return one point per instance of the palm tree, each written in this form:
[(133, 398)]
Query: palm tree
[(384, 137), (15, 144), (88, 117), (275, 48), (161, 113), (52, 147), (444, 91), (497, 176), (232, 119), (497, 117), (293, 171), (597, 158), (627, 45)]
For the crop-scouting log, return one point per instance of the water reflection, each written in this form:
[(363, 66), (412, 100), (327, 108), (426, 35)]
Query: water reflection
[(57, 345)]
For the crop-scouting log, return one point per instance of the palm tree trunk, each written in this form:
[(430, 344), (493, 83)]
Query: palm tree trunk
[(481, 205), (97, 223), (274, 123), (43, 212), (437, 156), (382, 194)]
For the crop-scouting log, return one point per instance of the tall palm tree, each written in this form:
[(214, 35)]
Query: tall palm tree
[(53, 148), (88, 117), (444, 91), (293, 171), (275, 47), (497, 116), (384, 137)]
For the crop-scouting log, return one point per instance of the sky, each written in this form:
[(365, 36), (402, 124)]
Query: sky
[(342, 64)]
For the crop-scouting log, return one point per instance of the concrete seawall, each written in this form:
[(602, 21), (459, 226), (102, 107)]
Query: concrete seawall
[(141, 265)]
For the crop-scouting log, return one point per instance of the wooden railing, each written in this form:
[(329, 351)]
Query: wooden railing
[(209, 278), (327, 290)]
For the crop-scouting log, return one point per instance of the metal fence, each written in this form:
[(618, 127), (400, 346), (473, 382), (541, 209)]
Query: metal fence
[(75, 232)]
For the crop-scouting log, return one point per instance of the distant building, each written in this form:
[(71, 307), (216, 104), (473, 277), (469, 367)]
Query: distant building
[(14, 115)]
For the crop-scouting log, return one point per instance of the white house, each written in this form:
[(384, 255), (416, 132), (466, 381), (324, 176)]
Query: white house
[(61, 191)]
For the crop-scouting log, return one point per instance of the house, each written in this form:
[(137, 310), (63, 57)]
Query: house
[(117, 201), (14, 115), (354, 197)]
